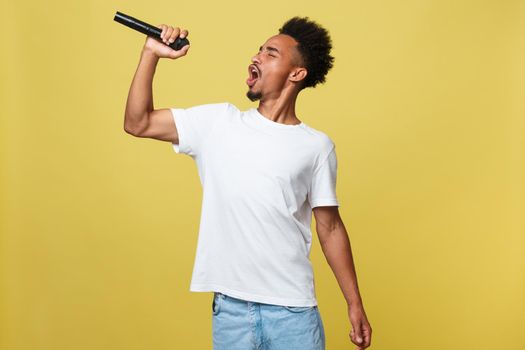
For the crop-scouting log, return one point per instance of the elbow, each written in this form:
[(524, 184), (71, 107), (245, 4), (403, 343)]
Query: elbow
[(134, 129), (130, 130)]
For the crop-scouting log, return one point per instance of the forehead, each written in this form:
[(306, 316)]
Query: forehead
[(282, 42)]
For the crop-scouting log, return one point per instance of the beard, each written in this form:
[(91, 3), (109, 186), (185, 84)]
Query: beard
[(253, 96)]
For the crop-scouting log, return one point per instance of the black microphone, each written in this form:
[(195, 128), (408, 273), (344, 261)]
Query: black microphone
[(148, 29)]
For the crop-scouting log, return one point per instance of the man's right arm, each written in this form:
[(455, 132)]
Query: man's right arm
[(141, 119)]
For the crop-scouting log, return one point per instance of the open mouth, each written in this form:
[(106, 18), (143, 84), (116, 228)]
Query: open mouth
[(253, 75)]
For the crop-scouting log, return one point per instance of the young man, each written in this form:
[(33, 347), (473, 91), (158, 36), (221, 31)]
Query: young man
[(263, 172)]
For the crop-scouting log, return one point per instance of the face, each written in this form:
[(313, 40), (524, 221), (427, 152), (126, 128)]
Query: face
[(275, 67)]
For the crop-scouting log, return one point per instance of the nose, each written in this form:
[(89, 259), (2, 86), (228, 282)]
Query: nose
[(255, 59)]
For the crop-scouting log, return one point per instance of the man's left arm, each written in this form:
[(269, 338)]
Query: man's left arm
[(336, 248)]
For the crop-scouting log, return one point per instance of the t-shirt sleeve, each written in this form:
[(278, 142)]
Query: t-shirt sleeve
[(322, 191), (194, 125)]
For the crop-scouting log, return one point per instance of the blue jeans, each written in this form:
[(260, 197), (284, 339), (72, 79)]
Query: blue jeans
[(246, 325)]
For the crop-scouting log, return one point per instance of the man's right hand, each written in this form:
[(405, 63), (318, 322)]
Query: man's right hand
[(168, 36)]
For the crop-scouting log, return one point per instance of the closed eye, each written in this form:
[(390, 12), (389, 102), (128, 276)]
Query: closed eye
[(269, 54), (260, 49)]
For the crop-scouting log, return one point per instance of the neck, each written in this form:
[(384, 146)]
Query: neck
[(280, 109)]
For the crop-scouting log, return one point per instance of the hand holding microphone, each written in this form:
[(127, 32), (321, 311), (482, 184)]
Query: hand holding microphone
[(168, 35), (165, 41)]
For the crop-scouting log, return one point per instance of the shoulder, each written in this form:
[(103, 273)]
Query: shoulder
[(225, 108), (222, 105), (323, 141), (215, 107), (323, 146), (207, 111)]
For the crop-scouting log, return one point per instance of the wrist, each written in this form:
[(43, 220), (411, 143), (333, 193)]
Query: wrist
[(149, 54), (354, 302)]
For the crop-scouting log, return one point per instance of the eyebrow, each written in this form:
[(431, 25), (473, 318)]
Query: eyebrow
[(271, 49)]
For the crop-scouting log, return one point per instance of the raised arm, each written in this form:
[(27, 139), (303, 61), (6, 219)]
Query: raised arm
[(141, 119)]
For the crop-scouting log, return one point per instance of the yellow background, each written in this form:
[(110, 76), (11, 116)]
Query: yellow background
[(425, 104)]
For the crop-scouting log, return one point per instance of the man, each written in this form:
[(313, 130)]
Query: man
[(263, 172)]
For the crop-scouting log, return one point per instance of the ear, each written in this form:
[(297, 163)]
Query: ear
[(298, 74)]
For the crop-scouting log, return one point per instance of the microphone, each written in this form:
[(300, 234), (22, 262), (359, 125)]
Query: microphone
[(148, 29)]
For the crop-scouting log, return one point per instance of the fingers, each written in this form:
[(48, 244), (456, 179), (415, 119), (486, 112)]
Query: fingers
[(361, 336), (170, 33), (357, 335), (357, 339), (163, 27), (367, 331), (168, 36), (179, 53), (174, 35)]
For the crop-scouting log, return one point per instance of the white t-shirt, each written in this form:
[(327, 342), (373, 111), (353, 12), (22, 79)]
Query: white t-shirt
[(260, 181)]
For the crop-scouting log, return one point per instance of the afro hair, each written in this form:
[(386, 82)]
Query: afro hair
[(314, 45)]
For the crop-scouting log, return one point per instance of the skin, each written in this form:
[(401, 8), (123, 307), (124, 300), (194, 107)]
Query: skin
[(277, 88)]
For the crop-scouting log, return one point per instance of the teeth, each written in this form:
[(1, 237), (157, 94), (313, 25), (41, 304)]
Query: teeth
[(254, 71)]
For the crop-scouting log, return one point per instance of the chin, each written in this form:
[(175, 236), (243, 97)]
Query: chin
[(253, 95)]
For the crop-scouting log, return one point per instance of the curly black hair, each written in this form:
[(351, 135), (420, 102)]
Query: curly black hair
[(314, 45)]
